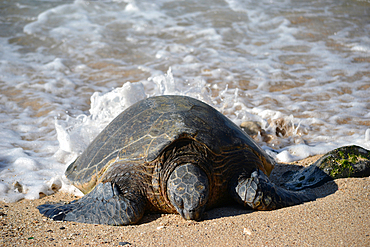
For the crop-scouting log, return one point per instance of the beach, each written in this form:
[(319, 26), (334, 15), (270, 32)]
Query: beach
[(299, 71), (338, 217)]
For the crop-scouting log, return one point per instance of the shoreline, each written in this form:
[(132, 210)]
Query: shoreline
[(339, 216)]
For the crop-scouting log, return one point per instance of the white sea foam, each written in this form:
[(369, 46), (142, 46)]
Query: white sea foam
[(66, 70)]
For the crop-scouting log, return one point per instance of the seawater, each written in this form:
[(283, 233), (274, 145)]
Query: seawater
[(301, 69)]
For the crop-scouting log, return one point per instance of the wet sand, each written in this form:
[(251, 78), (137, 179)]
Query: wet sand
[(339, 217)]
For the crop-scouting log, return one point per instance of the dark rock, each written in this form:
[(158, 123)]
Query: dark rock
[(343, 162)]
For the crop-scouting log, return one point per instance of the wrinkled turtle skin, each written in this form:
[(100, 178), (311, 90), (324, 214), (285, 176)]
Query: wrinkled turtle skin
[(171, 154)]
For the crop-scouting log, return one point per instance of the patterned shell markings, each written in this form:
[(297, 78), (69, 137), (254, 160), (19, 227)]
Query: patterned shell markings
[(143, 130)]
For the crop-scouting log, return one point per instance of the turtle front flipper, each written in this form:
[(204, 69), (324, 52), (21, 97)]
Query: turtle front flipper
[(105, 204), (259, 193)]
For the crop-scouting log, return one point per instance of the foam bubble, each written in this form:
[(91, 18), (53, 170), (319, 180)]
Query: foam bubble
[(367, 135), (25, 163), (4, 188)]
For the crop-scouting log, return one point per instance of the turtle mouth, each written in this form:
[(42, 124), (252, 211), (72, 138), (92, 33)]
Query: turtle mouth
[(188, 191), (191, 214)]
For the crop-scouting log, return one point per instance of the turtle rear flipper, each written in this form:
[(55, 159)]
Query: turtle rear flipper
[(259, 193), (56, 211), (105, 204), (308, 177)]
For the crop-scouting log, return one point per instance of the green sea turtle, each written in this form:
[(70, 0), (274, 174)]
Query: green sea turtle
[(170, 154)]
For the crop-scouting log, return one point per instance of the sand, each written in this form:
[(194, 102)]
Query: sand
[(339, 217)]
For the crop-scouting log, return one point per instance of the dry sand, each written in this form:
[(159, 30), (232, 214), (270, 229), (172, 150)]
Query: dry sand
[(339, 217)]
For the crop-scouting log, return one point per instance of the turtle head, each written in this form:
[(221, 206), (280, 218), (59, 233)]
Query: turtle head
[(188, 191)]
